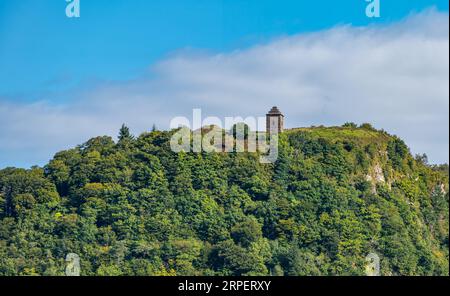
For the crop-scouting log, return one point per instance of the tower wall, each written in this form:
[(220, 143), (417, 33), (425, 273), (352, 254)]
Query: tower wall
[(274, 121)]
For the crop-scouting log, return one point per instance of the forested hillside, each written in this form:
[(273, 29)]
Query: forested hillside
[(133, 207)]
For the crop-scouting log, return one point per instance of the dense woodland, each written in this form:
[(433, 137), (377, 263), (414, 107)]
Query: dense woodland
[(133, 207)]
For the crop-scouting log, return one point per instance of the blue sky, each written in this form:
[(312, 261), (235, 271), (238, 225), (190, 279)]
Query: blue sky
[(43, 50), (49, 60)]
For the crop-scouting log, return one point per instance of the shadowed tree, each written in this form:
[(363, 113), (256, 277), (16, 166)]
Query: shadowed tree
[(125, 134)]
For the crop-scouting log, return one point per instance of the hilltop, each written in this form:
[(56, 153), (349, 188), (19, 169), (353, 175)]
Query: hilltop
[(133, 207)]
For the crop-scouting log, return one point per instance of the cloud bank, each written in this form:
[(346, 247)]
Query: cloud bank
[(394, 76)]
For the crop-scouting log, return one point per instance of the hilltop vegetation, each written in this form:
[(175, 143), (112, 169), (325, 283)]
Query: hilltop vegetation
[(136, 208)]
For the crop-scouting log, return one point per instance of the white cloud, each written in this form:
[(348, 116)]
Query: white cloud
[(394, 76)]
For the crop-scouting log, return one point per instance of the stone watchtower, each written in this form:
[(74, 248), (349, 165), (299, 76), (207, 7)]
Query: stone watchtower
[(274, 121)]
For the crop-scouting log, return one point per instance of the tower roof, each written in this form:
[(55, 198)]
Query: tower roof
[(274, 111)]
